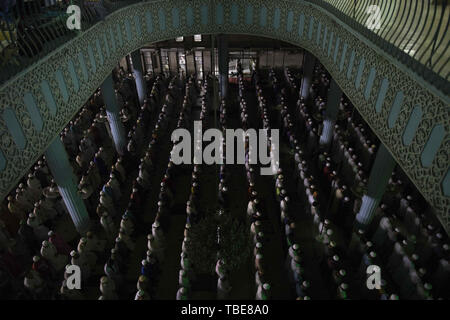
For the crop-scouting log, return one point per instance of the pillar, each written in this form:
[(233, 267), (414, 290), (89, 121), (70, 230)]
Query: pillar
[(379, 177), (222, 49), (138, 73), (61, 169), (333, 101), (112, 111), (308, 68)]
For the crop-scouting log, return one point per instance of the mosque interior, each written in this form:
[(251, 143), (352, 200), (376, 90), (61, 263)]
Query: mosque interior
[(100, 201)]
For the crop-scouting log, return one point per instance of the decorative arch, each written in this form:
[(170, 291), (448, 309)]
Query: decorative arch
[(74, 71)]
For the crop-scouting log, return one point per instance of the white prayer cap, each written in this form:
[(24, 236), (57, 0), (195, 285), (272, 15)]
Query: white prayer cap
[(156, 224), (144, 262), (266, 286), (295, 246), (36, 258), (50, 233), (342, 272), (259, 256), (45, 243), (336, 257), (73, 253), (344, 286), (259, 245)]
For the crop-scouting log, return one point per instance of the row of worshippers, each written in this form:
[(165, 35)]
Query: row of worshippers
[(299, 284), (193, 213), (150, 110), (111, 191), (223, 275), (255, 216), (39, 196), (84, 120), (156, 240), (363, 145), (186, 273), (97, 155), (129, 228), (343, 155)]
